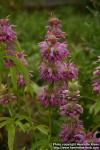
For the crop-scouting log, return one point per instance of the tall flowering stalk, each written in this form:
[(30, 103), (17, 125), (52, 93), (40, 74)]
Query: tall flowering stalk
[(60, 74), (8, 39), (14, 82), (53, 67)]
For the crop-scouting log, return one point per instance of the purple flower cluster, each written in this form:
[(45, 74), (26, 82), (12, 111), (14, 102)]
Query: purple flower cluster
[(8, 37), (73, 132), (55, 52), (52, 97), (51, 72), (7, 33), (96, 76), (58, 73), (69, 71), (54, 27), (72, 109), (53, 67), (7, 98)]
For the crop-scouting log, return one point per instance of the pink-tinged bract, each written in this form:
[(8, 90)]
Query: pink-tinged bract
[(56, 52), (6, 31), (71, 109), (52, 98), (70, 71), (51, 73)]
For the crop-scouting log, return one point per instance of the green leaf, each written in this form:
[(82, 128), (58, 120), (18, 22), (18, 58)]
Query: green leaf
[(4, 123), (42, 128), (4, 118), (21, 117), (11, 135), (13, 77), (97, 107), (32, 88), (29, 89), (18, 45), (35, 87), (20, 125)]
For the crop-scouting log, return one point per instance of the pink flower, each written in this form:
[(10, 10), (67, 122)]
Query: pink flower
[(8, 63), (51, 72), (71, 109), (96, 85), (54, 26), (7, 98), (56, 52), (70, 71), (72, 132), (6, 31), (51, 98), (21, 56)]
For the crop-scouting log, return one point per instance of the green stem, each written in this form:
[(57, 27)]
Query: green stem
[(18, 45), (50, 124), (10, 110)]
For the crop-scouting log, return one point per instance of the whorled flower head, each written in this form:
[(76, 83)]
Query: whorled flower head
[(70, 71), (51, 72), (21, 56), (96, 72), (96, 85), (51, 98), (54, 26), (6, 31), (71, 109), (7, 98), (8, 63), (72, 132), (70, 95), (66, 133), (79, 134), (55, 52)]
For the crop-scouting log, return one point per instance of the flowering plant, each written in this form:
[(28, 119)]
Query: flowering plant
[(62, 91), (49, 113)]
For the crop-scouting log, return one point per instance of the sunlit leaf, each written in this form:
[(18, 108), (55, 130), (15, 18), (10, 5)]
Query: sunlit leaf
[(42, 128)]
